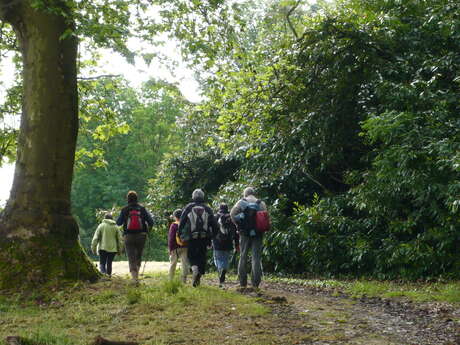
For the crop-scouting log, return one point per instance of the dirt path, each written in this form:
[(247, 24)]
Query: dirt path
[(322, 318), (120, 268), (314, 316), (342, 320)]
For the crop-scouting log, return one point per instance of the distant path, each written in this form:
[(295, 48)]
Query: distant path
[(120, 268)]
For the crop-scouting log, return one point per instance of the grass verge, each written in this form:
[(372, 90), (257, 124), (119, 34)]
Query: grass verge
[(419, 292), (157, 312)]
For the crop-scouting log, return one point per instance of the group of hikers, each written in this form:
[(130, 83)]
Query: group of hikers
[(195, 229)]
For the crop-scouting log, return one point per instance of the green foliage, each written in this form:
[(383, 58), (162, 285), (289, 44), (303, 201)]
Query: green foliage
[(9, 123), (346, 118), (399, 218), (196, 164), (121, 142)]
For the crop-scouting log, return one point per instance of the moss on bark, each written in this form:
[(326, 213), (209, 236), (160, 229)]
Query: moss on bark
[(31, 257)]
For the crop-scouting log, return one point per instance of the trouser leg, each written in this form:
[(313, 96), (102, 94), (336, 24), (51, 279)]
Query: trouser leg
[(245, 242), (173, 263), (256, 272), (102, 261), (185, 266), (134, 244), (110, 257), (195, 275)]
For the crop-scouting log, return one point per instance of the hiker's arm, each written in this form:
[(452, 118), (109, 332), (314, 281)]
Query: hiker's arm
[(121, 218), (183, 217), (235, 211), (212, 221), (171, 237), (148, 219), (95, 240), (263, 206), (120, 242), (236, 239), (215, 230)]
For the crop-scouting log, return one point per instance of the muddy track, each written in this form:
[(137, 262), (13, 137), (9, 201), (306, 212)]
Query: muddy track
[(318, 316), (324, 317)]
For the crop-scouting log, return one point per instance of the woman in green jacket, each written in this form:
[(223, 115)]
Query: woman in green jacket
[(107, 242)]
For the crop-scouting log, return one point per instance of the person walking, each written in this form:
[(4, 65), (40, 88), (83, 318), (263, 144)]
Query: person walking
[(223, 241), (107, 242), (136, 223), (197, 224), (177, 249), (243, 215)]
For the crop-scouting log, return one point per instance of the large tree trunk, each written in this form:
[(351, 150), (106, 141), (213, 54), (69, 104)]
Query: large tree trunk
[(38, 235)]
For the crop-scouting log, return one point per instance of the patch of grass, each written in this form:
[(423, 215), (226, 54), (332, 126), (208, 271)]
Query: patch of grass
[(368, 288), (171, 287), (133, 296), (329, 284), (419, 292), (45, 337), (152, 314)]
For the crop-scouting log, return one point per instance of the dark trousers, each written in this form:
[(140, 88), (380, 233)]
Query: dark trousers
[(134, 244), (105, 261), (197, 254)]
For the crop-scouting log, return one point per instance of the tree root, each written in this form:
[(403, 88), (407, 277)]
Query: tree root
[(15, 340), (101, 341)]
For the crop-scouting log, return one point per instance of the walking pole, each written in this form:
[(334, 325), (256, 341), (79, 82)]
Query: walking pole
[(148, 248)]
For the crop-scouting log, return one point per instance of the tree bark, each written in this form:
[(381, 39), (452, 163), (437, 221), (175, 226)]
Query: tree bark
[(38, 235)]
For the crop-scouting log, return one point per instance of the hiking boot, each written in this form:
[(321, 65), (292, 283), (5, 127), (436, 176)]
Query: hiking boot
[(222, 277), (196, 280), (195, 276)]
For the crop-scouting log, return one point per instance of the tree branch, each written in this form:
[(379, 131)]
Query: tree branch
[(6, 6), (8, 3), (291, 26), (102, 76)]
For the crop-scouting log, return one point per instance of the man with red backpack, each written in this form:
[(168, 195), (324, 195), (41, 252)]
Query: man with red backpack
[(251, 217), (136, 223)]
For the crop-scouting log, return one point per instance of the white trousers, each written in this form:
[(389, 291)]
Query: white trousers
[(175, 255)]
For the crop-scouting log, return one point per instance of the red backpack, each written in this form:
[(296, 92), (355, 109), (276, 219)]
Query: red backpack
[(134, 222), (262, 221)]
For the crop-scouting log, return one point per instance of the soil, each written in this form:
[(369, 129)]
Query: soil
[(316, 316), (339, 319)]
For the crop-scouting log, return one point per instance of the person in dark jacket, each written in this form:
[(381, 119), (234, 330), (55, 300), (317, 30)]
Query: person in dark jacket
[(198, 222), (223, 241), (177, 251), (136, 223)]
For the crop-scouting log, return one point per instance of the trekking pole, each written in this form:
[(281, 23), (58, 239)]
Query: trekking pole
[(148, 249)]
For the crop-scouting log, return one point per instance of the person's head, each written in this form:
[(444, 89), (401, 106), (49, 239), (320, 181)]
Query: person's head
[(177, 213), (108, 215), (198, 195), (248, 191), (223, 208), (131, 196)]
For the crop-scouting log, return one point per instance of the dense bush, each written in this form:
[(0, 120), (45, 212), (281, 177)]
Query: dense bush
[(346, 119), (399, 218)]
